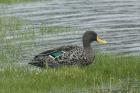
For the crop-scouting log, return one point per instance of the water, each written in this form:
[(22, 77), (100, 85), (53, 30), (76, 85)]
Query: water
[(117, 21)]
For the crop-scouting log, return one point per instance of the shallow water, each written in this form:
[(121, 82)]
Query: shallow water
[(117, 21)]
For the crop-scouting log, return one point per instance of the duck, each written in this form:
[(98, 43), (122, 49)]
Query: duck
[(70, 54)]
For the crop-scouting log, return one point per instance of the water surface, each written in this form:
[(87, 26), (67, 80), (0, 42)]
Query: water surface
[(117, 21)]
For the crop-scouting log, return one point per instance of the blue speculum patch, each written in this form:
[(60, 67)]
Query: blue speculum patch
[(56, 54)]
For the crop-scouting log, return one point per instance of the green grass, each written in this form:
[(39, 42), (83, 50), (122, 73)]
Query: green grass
[(105, 73), (9, 27)]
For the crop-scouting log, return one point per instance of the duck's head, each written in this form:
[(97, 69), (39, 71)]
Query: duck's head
[(90, 36)]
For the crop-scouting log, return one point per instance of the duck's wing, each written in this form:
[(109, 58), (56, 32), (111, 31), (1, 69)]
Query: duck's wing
[(39, 59), (73, 55)]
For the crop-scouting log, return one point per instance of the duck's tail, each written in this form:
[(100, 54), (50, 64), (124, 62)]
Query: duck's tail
[(38, 64)]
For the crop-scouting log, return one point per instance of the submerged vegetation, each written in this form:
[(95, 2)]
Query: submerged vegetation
[(17, 34)]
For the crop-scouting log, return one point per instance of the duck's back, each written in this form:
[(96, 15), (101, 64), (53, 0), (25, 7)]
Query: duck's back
[(65, 55)]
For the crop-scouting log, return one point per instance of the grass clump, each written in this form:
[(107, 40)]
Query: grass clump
[(100, 77)]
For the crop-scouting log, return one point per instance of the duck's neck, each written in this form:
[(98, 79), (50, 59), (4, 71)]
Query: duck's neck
[(86, 44), (88, 50)]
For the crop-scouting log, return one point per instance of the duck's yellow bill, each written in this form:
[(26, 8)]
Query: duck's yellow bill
[(101, 41)]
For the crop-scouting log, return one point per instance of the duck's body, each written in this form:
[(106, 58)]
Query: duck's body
[(65, 55), (68, 55)]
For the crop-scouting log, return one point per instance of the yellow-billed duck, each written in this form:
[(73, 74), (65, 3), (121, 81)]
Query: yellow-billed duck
[(69, 55)]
